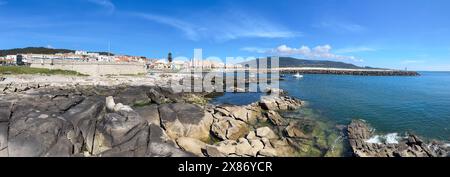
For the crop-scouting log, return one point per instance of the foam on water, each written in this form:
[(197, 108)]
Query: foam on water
[(391, 138), (374, 140)]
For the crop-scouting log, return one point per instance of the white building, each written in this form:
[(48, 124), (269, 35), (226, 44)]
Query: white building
[(11, 57), (80, 52), (178, 64)]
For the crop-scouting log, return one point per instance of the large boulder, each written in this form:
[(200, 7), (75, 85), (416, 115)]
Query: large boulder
[(38, 128), (160, 145), (117, 128), (238, 112), (133, 96), (83, 118), (150, 113), (136, 146), (294, 130), (276, 102), (359, 130), (185, 120), (33, 136)]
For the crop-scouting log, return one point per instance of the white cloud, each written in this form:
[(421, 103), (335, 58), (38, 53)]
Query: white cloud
[(255, 50), (355, 50), (223, 28), (107, 4), (318, 52), (49, 46)]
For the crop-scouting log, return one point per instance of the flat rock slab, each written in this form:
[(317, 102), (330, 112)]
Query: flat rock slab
[(185, 113)]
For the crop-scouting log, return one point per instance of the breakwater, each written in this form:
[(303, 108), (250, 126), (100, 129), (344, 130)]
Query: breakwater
[(359, 72)]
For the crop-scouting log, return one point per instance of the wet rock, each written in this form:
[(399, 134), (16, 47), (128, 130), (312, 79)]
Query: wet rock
[(275, 118), (359, 132), (274, 91), (293, 131), (283, 148), (275, 103)]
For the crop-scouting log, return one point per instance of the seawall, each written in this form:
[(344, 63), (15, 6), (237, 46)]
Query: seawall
[(94, 68)]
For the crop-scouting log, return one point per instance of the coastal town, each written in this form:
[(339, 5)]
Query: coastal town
[(79, 56)]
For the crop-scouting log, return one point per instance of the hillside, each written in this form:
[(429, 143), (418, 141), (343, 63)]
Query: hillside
[(293, 62), (38, 50)]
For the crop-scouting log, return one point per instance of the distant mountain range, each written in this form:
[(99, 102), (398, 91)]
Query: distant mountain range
[(286, 62), (39, 50)]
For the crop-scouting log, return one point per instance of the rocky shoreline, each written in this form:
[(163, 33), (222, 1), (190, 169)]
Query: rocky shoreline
[(359, 133), (111, 118), (149, 121)]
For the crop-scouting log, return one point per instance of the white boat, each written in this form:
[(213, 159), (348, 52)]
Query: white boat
[(298, 75)]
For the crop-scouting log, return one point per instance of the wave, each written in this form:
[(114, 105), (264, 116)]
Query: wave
[(391, 138)]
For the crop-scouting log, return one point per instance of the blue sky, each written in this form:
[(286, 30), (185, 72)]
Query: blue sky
[(379, 33)]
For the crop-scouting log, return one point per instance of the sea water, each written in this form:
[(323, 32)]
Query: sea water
[(391, 104)]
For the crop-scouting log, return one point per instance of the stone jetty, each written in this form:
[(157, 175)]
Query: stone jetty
[(358, 72)]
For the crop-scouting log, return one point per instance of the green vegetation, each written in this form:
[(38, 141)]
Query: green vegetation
[(28, 70), (196, 99), (40, 50), (139, 104)]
